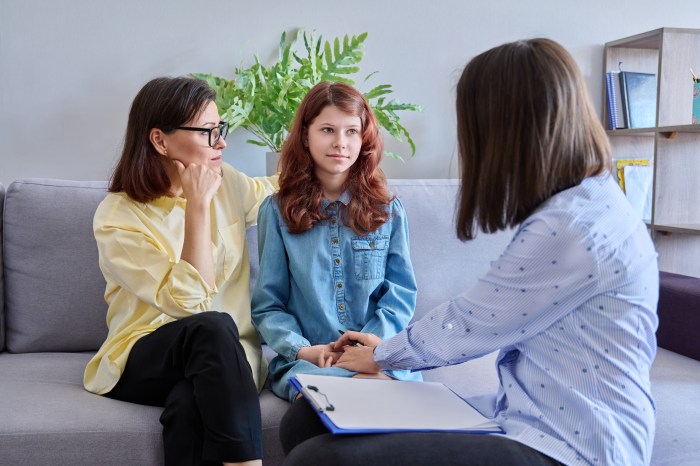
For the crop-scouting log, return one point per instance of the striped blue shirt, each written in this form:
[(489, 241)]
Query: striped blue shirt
[(571, 305)]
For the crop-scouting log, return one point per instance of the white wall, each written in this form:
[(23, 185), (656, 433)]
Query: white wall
[(69, 69)]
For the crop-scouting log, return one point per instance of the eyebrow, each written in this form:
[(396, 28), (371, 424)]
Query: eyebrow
[(330, 124)]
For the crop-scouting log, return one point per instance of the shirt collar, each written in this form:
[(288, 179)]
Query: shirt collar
[(344, 198)]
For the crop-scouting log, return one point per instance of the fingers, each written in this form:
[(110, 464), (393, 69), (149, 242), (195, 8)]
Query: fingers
[(358, 359), (198, 181), (345, 339), (350, 337)]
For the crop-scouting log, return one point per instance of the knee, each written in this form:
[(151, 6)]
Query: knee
[(216, 324)]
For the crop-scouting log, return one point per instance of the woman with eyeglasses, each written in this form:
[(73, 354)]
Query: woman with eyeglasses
[(172, 248)]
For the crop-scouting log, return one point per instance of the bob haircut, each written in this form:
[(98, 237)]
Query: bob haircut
[(163, 103), (300, 192), (526, 130)]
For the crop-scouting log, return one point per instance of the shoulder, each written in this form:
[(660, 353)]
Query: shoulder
[(115, 205), (396, 209), (231, 177), (269, 209)]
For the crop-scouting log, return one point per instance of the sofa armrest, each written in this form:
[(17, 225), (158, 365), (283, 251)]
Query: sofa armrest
[(679, 314)]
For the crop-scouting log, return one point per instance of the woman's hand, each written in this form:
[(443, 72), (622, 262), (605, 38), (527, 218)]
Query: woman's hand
[(199, 183), (358, 352), (321, 355), (358, 359), (350, 338)]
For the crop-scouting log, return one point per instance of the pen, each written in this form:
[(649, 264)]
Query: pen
[(352, 342)]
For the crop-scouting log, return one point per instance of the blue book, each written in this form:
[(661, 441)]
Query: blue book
[(611, 101), (638, 99)]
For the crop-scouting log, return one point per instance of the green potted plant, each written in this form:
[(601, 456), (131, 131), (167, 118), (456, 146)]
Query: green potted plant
[(263, 99)]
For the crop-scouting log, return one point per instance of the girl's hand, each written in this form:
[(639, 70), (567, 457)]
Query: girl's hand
[(351, 337), (321, 355), (199, 183), (358, 359)]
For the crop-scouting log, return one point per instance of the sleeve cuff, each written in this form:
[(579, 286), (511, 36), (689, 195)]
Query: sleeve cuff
[(295, 349), (189, 290)]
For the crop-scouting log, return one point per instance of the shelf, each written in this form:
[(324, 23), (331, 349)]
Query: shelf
[(648, 40), (667, 131), (632, 132), (673, 143), (690, 228)]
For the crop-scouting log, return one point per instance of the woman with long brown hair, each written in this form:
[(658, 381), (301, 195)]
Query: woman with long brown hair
[(570, 303), (334, 252)]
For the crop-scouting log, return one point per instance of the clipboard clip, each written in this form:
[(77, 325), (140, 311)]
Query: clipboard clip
[(329, 406)]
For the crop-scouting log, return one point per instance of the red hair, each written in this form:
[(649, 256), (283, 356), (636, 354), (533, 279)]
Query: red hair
[(300, 194)]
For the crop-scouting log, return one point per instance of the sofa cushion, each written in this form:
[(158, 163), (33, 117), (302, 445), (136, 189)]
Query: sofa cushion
[(2, 294), (49, 418), (53, 285), (675, 380), (679, 314)]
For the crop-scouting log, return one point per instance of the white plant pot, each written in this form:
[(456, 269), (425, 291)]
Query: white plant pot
[(272, 160)]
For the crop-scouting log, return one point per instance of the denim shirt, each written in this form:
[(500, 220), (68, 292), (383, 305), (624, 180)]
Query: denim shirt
[(571, 303), (329, 278)]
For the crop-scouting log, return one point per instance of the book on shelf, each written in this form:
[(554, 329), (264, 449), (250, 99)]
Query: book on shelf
[(638, 92), (616, 118)]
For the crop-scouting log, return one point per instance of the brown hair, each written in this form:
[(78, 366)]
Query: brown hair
[(163, 103), (300, 193), (526, 129)]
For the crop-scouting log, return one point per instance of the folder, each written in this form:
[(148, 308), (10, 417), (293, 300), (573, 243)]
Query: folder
[(638, 92), (349, 405)]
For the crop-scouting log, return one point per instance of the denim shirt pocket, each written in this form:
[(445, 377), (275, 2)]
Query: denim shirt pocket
[(369, 256), (229, 251)]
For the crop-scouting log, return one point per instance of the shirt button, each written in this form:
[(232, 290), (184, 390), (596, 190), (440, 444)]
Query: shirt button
[(333, 222), (337, 261), (371, 244), (341, 307), (335, 240), (340, 285)]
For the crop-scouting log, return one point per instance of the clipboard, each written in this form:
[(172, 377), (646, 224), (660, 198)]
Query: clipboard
[(349, 405)]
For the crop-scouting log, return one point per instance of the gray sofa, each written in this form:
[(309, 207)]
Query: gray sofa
[(52, 318)]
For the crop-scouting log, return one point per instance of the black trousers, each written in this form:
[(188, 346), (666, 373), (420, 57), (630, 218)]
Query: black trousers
[(307, 442), (197, 369)]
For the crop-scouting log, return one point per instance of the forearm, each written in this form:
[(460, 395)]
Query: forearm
[(196, 248)]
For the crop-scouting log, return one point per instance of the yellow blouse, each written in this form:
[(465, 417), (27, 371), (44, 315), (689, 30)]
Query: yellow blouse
[(147, 283)]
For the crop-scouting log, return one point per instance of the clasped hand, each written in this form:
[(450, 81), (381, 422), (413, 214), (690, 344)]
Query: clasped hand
[(344, 354)]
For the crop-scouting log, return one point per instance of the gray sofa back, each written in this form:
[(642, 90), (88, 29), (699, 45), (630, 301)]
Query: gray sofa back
[(53, 285), (2, 294), (54, 288)]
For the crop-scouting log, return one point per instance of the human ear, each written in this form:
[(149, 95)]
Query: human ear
[(157, 138)]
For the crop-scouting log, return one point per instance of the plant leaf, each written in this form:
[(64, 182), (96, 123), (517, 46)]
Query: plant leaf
[(255, 142)]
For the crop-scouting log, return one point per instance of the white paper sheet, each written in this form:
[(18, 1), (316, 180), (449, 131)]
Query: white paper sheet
[(370, 405), (638, 180)]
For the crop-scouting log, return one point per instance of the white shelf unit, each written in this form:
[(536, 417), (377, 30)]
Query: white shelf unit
[(673, 143)]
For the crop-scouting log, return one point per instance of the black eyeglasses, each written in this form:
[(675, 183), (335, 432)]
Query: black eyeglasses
[(215, 133)]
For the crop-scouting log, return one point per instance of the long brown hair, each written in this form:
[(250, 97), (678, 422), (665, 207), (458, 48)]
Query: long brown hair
[(527, 130), (163, 103), (300, 193)]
